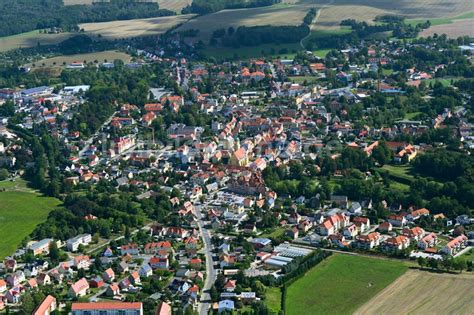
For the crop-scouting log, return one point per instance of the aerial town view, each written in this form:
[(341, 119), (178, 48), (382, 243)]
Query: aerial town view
[(286, 157)]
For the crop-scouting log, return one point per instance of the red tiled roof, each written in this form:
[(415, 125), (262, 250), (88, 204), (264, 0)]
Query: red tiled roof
[(106, 306)]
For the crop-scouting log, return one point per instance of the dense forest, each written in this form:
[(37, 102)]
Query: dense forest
[(257, 35), (209, 6), (18, 16)]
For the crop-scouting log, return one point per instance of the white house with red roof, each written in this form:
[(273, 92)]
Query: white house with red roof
[(455, 245), (428, 241), (414, 234), (79, 288)]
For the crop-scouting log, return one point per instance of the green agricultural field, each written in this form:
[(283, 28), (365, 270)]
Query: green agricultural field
[(273, 299), (341, 284), (21, 210)]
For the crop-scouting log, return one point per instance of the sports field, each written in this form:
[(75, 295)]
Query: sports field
[(21, 210), (422, 292), (134, 28), (341, 284)]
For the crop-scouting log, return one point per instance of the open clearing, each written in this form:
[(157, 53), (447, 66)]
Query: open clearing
[(134, 28), (420, 292), (110, 56), (30, 39), (21, 210), (341, 284)]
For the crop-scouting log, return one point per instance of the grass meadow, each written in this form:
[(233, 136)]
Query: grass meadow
[(341, 284), (21, 210)]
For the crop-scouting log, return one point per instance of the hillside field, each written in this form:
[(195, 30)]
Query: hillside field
[(30, 39), (280, 14), (21, 210), (341, 284), (421, 292), (173, 5), (134, 28)]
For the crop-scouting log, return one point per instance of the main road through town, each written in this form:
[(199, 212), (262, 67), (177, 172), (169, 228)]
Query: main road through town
[(205, 301)]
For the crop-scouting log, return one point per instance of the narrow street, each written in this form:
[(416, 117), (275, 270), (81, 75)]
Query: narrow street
[(205, 301)]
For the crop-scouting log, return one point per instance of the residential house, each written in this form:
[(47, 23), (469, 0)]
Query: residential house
[(79, 288), (362, 223), (293, 233), (163, 309), (396, 243), (3, 286), (43, 279), (397, 220), (428, 241), (350, 231), (135, 278), (46, 307), (82, 262), (355, 208), (416, 214), (41, 247), (455, 245), (145, 271), (112, 290), (159, 263), (333, 223), (414, 234), (97, 282), (226, 306), (107, 308), (368, 241), (15, 279), (385, 227), (155, 247), (74, 243), (109, 275), (131, 249)]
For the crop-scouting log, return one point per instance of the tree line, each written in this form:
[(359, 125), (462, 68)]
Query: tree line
[(20, 16), (210, 6)]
